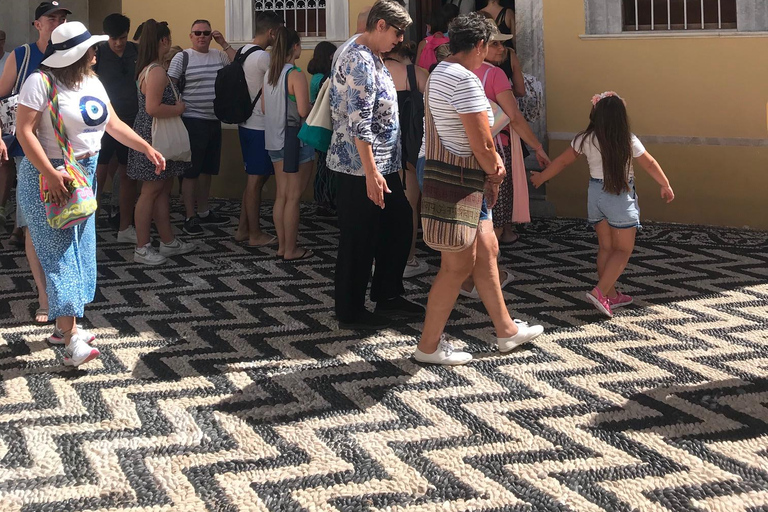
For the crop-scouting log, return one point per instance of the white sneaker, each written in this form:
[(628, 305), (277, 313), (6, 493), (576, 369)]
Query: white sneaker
[(176, 248), (525, 333), (415, 268), (57, 338), (445, 354), (148, 256), (79, 351), (127, 236)]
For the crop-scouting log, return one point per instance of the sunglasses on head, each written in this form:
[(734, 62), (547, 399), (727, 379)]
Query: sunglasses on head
[(199, 33)]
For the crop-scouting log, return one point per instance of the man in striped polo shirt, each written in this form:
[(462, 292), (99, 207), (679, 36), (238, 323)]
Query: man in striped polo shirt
[(203, 127)]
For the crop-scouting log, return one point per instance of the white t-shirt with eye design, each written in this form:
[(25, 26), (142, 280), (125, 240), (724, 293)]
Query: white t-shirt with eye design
[(83, 110)]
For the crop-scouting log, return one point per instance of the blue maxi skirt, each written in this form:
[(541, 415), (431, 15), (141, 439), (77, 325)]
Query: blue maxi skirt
[(68, 256)]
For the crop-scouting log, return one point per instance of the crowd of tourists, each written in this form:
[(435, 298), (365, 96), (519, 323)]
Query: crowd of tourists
[(432, 134)]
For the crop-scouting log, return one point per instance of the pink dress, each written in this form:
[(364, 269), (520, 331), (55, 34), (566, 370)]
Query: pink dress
[(513, 203)]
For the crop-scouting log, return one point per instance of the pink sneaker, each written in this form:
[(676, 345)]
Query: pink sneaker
[(619, 300), (600, 301)]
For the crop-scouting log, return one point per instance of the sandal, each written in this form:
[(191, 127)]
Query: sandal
[(304, 256), (17, 238), (41, 312)]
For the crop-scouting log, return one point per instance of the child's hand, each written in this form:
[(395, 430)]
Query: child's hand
[(537, 179), (667, 193)]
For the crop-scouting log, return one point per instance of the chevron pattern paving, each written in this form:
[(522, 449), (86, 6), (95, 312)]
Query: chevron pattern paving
[(225, 384)]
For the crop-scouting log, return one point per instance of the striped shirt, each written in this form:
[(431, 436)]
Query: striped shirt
[(455, 90), (201, 72)]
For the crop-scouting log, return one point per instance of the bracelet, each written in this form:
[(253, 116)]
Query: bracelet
[(227, 47)]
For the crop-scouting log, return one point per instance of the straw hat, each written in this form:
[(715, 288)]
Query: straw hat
[(69, 42)]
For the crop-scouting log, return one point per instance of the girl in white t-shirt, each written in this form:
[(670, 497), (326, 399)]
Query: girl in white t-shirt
[(612, 206)]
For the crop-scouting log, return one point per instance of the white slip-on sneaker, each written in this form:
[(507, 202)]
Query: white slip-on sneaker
[(79, 352), (127, 236), (148, 256), (57, 338), (445, 354), (176, 248), (415, 267), (525, 333)]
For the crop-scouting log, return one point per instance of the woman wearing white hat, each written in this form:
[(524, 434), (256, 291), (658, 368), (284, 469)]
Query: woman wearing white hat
[(68, 256)]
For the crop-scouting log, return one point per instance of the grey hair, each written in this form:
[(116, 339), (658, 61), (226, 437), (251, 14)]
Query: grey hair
[(392, 12), (467, 30)]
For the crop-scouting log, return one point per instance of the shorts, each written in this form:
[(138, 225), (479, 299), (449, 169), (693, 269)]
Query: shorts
[(255, 155), (205, 140), (306, 154), (485, 212), (620, 210), (109, 147)]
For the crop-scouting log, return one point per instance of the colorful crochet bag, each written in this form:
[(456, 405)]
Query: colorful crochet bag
[(82, 201)]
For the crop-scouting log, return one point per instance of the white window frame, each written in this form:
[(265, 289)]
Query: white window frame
[(239, 23), (604, 17)]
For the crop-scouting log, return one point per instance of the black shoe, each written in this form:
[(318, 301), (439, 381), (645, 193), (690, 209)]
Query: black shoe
[(192, 227), (399, 307), (366, 321), (114, 220), (214, 219)]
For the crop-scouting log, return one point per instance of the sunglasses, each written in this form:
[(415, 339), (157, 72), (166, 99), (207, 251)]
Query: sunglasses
[(398, 31), (199, 33)]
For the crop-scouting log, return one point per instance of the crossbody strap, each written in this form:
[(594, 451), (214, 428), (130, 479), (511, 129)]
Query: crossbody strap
[(60, 131), (23, 69)]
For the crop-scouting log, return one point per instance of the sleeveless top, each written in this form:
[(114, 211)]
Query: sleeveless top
[(279, 110), (427, 57)]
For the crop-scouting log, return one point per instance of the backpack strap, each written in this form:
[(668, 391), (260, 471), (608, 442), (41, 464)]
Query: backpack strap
[(184, 63), (413, 83), (23, 69), (241, 57)]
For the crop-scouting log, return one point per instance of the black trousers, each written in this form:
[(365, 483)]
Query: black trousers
[(367, 232)]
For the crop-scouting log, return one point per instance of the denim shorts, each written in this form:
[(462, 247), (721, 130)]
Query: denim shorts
[(485, 212), (620, 210), (306, 154)]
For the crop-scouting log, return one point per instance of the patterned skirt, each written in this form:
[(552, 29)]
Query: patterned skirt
[(68, 256), (502, 211)]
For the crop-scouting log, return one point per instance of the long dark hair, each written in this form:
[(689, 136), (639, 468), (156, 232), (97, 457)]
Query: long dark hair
[(152, 33), (286, 39), (609, 123), (322, 58)]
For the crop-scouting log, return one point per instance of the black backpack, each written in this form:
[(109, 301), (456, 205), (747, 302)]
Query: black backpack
[(182, 82), (412, 120), (232, 103)]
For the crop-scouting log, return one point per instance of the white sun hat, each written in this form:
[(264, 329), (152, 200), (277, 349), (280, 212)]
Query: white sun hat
[(69, 42)]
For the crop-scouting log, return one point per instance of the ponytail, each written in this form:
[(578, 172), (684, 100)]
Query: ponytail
[(149, 46), (286, 39)]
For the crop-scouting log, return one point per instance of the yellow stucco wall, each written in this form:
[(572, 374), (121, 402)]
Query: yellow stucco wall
[(703, 87), (179, 15)]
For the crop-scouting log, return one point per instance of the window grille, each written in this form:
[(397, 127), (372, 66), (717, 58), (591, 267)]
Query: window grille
[(647, 15), (307, 17)]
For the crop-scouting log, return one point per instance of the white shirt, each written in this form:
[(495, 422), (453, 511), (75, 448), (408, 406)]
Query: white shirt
[(199, 90), (255, 68), (595, 158), (455, 90), (84, 112)]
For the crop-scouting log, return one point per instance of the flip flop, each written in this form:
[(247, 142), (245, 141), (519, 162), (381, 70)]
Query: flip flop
[(41, 312), (507, 279), (474, 293), (305, 256), (16, 240), (513, 240), (271, 241)]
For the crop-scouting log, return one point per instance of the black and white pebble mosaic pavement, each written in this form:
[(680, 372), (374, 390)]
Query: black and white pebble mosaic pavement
[(225, 384)]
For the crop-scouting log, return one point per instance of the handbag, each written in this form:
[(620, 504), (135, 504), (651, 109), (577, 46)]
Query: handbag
[(532, 104), (318, 128), (453, 193), (82, 201), (291, 142), (9, 105), (169, 135)]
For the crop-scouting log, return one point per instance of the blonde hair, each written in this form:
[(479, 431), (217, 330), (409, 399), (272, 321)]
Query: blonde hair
[(169, 56)]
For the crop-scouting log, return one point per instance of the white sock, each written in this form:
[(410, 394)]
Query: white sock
[(203, 214)]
